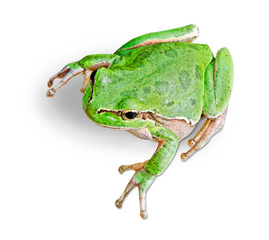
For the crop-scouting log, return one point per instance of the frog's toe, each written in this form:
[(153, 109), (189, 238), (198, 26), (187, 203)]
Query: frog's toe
[(51, 92), (136, 167), (184, 157), (142, 180), (60, 74), (65, 75), (118, 203), (87, 78), (144, 214), (142, 201), (122, 168), (191, 142), (128, 188)]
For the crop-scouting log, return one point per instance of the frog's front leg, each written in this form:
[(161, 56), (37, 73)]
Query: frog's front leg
[(148, 171), (85, 66)]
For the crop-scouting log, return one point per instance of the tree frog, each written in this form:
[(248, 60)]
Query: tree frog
[(157, 86)]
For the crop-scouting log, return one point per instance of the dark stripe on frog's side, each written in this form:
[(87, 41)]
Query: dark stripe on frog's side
[(92, 78), (180, 127), (142, 115)]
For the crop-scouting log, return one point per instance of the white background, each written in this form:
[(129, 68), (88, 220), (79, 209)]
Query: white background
[(58, 170)]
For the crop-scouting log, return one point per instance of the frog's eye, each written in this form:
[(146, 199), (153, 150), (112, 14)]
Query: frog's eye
[(129, 114)]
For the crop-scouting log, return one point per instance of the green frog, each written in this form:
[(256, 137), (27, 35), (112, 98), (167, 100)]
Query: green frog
[(157, 86)]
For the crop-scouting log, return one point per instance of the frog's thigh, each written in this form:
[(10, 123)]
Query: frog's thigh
[(218, 83)]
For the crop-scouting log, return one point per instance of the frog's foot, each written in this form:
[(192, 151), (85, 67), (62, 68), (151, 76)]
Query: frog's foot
[(210, 127), (65, 75), (142, 179), (136, 167), (85, 66)]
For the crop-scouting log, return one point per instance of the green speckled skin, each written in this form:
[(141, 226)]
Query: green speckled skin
[(217, 91), (145, 179), (164, 78), (159, 73)]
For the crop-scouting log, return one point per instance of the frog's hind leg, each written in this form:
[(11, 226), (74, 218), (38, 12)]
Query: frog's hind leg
[(218, 81), (147, 172), (210, 127), (182, 34)]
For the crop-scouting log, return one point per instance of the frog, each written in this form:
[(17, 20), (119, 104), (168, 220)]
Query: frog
[(157, 86)]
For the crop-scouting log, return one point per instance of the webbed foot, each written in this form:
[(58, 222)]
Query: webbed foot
[(85, 66), (65, 75), (141, 179)]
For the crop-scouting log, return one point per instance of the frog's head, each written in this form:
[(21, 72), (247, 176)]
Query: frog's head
[(109, 102)]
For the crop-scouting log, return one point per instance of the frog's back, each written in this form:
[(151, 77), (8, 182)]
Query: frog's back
[(164, 78)]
